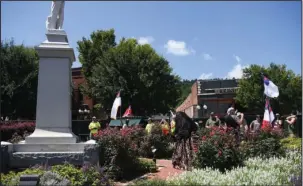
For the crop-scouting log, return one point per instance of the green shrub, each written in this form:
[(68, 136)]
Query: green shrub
[(147, 165), (157, 140), (87, 175), (218, 150), (265, 147), (13, 178), (257, 171), (70, 172), (15, 131), (117, 153), (291, 143), (50, 178), (95, 176)]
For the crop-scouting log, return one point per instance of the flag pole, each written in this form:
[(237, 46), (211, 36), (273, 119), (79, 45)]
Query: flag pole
[(121, 110), (268, 106), (121, 105)]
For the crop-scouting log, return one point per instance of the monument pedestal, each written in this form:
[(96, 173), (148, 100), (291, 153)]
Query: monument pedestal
[(53, 115), (53, 141)]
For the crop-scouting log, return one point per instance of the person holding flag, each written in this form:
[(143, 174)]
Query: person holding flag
[(271, 91), (165, 127), (172, 124)]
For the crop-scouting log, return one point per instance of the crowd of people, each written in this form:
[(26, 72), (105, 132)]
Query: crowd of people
[(237, 120), (181, 128)]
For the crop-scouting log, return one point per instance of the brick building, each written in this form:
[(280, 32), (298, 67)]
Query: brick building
[(216, 95), (78, 98)]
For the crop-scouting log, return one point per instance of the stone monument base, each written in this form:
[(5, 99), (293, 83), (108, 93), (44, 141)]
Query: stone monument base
[(51, 136), (27, 155)]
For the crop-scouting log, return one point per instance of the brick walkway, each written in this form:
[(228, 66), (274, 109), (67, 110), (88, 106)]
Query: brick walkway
[(166, 169)]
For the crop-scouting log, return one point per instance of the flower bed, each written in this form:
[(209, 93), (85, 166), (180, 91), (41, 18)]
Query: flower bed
[(15, 131), (61, 175), (217, 149), (291, 143), (256, 171), (156, 139), (119, 153)]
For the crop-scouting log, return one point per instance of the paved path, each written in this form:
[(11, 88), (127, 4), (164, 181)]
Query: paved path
[(165, 169)]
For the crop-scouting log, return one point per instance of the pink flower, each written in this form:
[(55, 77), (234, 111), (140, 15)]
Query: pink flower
[(203, 138), (219, 153)]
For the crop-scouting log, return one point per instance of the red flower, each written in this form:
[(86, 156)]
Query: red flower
[(212, 133), (203, 138), (134, 146), (219, 153)]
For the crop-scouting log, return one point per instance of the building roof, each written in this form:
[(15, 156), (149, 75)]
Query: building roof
[(121, 122)]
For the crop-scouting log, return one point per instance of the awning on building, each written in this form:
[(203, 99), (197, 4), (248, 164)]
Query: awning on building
[(120, 123)]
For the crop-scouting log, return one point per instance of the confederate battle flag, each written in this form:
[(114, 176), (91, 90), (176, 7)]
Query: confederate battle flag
[(128, 112)]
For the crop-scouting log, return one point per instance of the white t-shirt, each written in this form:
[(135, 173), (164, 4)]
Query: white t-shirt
[(255, 125)]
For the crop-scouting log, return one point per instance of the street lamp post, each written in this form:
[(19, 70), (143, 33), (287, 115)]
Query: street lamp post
[(84, 112), (204, 109)]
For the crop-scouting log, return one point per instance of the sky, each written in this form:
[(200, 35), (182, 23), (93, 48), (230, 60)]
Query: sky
[(199, 39)]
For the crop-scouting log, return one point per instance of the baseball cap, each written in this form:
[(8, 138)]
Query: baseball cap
[(212, 113), (94, 117)]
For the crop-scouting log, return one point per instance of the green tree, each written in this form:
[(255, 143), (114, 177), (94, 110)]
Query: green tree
[(19, 79), (251, 92), (91, 51), (145, 78), (185, 89)]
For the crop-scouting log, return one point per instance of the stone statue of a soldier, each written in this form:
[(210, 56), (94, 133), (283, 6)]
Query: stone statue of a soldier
[(55, 19)]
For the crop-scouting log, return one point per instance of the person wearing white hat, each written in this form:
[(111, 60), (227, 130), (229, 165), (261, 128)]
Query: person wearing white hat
[(231, 120)]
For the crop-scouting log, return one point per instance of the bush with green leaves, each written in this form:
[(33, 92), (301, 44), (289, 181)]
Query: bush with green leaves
[(50, 178), (147, 165), (118, 154), (291, 143), (266, 144), (13, 178), (218, 150), (157, 140), (87, 175), (257, 171)]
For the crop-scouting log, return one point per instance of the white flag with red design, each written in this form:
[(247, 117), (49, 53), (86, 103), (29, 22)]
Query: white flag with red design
[(269, 116), (116, 105), (128, 112)]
